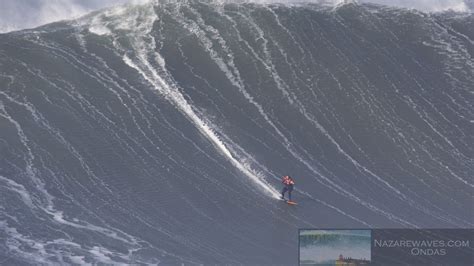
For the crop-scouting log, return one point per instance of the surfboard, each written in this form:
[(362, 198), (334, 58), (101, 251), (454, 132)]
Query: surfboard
[(289, 202)]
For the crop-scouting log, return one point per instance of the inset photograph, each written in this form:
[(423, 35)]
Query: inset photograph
[(334, 247)]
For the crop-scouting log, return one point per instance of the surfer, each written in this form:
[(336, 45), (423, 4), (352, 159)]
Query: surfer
[(288, 183)]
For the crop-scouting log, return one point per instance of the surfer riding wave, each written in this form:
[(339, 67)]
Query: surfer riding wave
[(288, 183)]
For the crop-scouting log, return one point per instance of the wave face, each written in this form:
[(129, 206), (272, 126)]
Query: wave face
[(157, 133)]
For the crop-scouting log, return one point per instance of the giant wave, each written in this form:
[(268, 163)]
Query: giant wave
[(157, 133)]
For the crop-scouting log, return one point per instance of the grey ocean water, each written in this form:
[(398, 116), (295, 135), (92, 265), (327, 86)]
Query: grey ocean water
[(158, 133)]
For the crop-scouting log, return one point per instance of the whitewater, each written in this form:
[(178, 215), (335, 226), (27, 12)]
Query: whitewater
[(157, 133)]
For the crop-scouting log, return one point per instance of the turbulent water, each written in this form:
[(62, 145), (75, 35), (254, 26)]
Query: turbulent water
[(158, 133)]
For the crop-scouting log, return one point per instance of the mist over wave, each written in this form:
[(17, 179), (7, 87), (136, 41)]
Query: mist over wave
[(23, 14), (157, 133)]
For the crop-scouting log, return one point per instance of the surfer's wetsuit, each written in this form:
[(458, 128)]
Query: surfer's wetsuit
[(288, 182)]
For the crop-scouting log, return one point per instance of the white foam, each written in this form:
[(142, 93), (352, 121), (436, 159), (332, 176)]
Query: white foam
[(137, 26), (205, 127), (20, 189)]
